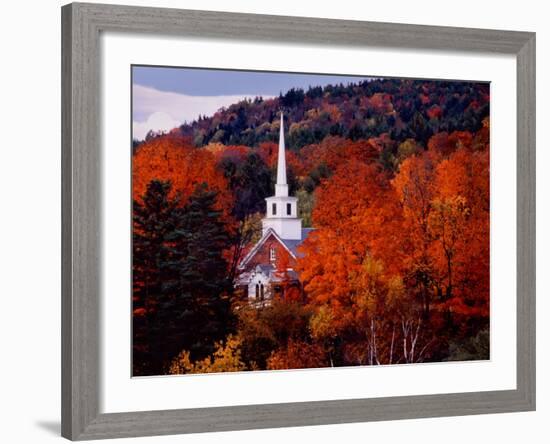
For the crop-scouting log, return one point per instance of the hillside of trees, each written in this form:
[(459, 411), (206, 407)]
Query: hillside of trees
[(404, 109), (394, 176)]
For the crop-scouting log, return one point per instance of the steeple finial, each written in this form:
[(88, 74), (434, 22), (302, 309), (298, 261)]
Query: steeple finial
[(281, 187)]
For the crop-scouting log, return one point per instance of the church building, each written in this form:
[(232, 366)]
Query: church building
[(267, 269)]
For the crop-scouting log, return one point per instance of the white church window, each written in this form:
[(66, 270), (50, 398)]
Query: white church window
[(288, 209), (274, 209), (272, 254)]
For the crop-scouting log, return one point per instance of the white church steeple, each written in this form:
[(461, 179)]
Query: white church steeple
[(281, 187), (282, 209)]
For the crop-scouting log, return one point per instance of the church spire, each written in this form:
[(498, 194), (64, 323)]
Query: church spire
[(282, 209), (281, 187)]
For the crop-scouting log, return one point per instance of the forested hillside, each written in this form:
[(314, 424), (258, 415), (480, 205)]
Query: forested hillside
[(409, 109)]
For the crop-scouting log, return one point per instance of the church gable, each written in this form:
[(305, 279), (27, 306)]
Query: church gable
[(270, 250)]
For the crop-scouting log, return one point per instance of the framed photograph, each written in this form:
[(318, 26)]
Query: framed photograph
[(278, 221)]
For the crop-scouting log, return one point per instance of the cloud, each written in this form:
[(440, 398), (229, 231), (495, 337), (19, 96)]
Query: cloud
[(158, 121), (161, 110)]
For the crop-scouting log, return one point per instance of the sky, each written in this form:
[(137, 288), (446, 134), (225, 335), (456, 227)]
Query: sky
[(165, 97)]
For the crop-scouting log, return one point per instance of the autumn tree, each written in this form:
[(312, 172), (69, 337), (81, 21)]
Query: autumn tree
[(296, 354), (176, 160), (414, 187), (346, 218), (460, 225), (445, 199), (265, 330), (324, 330), (226, 358)]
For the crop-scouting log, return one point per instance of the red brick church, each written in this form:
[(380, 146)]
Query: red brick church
[(268, 268)]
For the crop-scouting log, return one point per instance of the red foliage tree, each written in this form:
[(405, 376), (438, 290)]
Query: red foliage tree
[(175, 160)]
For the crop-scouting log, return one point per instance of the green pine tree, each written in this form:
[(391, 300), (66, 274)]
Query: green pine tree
[(197, 276), (153, 221), (181, 291)]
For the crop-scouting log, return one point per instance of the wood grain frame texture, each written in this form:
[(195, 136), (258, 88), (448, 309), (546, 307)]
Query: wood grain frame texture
[(81, 232)]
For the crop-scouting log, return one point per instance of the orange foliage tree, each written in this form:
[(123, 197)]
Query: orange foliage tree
[(334, 151), (175, 160), (459, 224), (414, 187)]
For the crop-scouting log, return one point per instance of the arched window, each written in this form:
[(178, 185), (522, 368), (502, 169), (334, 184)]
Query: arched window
[(262, 292), (288, 209), (274, 208), (257, 291)]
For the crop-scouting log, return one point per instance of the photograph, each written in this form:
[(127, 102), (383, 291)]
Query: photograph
[(285, 221)]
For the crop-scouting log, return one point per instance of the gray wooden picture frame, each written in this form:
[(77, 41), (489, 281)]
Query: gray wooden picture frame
[(81, 232)]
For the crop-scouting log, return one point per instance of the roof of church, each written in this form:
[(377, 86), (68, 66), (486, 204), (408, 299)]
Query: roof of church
[(293, 245)]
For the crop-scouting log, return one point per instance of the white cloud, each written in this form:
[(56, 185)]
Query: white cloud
[(159, 121), (162, 110)]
